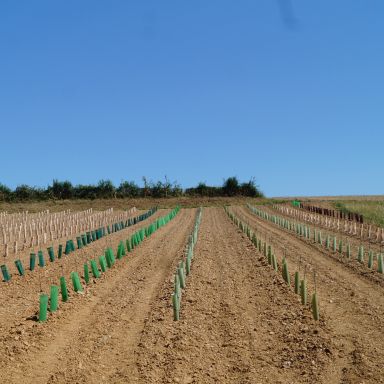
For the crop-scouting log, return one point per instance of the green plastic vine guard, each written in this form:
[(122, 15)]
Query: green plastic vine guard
[(76, 282), (180, 271), (380, 263), (43, 307), (4, 271), (68, 247), (176, 307), (177, 286), (188, 266), (41, 259), (303, 291), (95, 269), (128, 243), (119, 254), (334, 244), (360, 255), (63, 289), (103, 263), (315, 307), (79, 242), (60, 251), (349, 251), (111, 255), (108, 259), (274, 262), (19, 267), (86, 273), (370, 259), (32, 261), (297, 283), (51, 254), (341, 246), (285, 272), (54, 298)]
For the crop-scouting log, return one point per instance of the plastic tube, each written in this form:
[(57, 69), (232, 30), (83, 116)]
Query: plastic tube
[(303, 291), (19, 267), (175, 303), (86, 273), (63, 289), (297, 283), (76, 282), (53, 302), (51, 254), (103, 263), (43, 307), (60, 251), (41, 259), (4, 271), (32, 261), (315, 307), (95, 270)]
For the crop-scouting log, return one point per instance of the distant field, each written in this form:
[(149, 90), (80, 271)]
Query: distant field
[(140, 203)]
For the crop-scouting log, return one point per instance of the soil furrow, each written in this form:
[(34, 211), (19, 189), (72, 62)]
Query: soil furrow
[(94, 339), (353, 304), (239, 322)]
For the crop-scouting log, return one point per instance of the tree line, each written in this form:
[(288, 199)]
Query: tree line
[(105, 189)]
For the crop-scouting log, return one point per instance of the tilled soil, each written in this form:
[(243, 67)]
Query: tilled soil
[(354, 240), (352, 301), (240, 323), (20, 296), (92, 337)]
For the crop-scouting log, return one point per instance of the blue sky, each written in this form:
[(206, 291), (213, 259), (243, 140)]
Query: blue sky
[(195, 90)]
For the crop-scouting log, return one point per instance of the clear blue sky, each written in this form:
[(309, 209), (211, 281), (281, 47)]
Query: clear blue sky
[(195, 90)]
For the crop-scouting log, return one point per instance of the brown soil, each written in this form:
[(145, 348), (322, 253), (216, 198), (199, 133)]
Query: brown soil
[(91, 339), (354, 242), (353, 303), (240, 323)]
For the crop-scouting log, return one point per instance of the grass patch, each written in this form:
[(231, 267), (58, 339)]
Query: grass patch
[(372, 211)]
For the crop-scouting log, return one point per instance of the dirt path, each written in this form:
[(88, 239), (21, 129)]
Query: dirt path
[(93, 338), (354, 305), (239, 321)]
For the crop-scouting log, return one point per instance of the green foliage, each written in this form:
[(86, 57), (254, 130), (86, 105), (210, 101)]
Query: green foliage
[(64, 190), (231, 187)]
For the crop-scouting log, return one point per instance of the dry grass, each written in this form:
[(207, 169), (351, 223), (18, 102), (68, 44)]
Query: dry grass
[(141, 203), (373, 211)]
